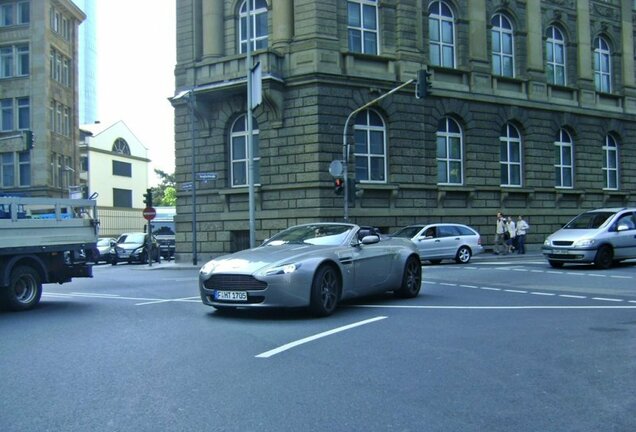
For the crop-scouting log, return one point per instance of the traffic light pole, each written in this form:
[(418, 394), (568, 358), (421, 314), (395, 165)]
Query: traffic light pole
[(345, 144)]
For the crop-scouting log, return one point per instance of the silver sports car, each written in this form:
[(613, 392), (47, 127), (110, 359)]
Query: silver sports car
[(315, 266)]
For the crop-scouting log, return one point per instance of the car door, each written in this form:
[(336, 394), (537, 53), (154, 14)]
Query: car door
[(372, 264), (624, 241), (428, 243), (449, 240)]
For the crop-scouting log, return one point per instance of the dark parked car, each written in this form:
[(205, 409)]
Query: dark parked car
[(133, 247)]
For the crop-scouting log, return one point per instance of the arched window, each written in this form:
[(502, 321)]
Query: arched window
[(121, 146), (238, 152), (564, 160), (555, 56), (610, 163), (441, 34), (449, 152), (510, 156), (503, 62), (602, 65), (370, 147), (258, 30), (362, 21)]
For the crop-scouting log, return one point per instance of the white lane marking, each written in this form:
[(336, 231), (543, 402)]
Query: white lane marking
[(469, 286), (280, 349), (117, 297), (491, 289), (89, 294), (185, 299), (447, 284), (607, 299), (572, 296), (542, 293), (516, 291), (622, 277)]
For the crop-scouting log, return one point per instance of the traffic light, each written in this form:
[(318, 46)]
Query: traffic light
[(423, 84), (148, 198), (338, 186), (29, 139)]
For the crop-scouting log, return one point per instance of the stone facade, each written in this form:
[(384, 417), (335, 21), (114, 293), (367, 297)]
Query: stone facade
[(313, 80)]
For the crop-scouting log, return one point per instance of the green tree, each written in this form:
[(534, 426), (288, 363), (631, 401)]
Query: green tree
[(165, 194)]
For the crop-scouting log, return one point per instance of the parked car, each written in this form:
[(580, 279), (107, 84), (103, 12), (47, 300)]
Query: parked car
[(133, 247), (436, 242), (603, 237), (312, 265), (103, 250)]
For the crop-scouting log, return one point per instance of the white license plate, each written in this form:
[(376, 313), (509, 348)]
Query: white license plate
[(230, 295), (560, 252)]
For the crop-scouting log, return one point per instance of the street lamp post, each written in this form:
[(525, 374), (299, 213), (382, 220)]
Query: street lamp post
[(192, 101)]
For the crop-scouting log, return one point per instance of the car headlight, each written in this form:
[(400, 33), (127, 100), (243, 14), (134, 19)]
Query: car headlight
[(585, 243), (208, 267), (282, 269), (546, 242)]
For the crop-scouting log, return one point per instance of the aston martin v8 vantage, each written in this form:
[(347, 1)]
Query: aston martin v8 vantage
[(315, 266)]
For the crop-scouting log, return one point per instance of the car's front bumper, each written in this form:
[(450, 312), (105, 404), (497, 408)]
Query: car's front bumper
[(565, 254), (272, 291)]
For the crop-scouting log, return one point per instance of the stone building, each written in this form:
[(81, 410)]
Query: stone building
[(531, 111), (38, 95)]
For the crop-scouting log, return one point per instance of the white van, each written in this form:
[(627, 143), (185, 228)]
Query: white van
[(603, 237)]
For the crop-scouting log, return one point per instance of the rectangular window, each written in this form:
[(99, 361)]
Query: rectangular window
[(23, 64), (6, 14), (24, 160), (6, 114), (122, 198), (6, 62), (24, 113), (123, 169), (66, 72), (24, 12), (8, 177)]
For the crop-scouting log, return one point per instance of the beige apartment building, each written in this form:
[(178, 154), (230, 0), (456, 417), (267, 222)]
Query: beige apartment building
[(531, 111), (38, 96)]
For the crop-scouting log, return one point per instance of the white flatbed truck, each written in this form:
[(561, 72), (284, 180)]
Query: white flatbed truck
[(43, 240)]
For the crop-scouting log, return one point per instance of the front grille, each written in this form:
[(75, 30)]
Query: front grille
[(231, 282), (562, 243)]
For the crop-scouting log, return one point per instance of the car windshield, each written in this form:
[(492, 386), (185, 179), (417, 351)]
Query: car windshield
[(590, 220), (163, 228), (407, 232), (136, 238), (330, 235)]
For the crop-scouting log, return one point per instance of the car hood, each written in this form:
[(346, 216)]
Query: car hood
[(574, 234), (252, 260), (129, 246)]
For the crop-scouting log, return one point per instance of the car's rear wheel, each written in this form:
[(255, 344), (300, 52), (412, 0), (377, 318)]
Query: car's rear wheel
[(411, 279), (604, 257), (24, 290), (555, 264), (463, 255), (325, 291)]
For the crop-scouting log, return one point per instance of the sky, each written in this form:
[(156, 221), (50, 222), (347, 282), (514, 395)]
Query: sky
[(136, 56)]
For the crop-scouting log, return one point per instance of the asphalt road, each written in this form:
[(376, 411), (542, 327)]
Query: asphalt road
[(500, 344)]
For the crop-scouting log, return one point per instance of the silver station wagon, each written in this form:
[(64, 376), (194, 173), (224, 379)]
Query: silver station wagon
[(603, 237)]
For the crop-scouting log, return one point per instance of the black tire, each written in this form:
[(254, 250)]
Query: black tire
[(435, 261), (144, 257), (604, 257), (24, 290), (411, 279), (325, 291), (463, 255), (555, 264), (113, 260)]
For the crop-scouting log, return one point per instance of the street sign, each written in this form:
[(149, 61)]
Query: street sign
[(186, 185), (149, 213), (207, 176)]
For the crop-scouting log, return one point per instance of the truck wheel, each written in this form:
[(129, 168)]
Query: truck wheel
[(25, 289)]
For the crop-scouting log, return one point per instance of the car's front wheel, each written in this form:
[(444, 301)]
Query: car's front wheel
[(325, 291), (463, 255), (604, 257), (411, 279)]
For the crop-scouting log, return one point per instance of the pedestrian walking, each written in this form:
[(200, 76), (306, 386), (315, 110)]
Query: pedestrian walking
[(522, 230), (511, 228), (500, 231)]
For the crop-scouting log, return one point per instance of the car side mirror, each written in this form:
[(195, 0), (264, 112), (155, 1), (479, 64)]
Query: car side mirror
[(370, 239), (622, 227)]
